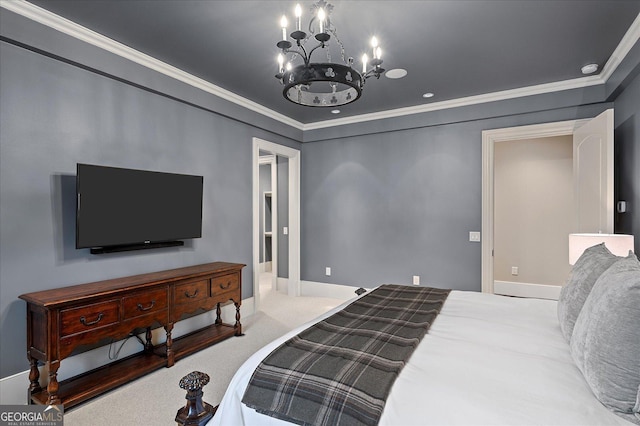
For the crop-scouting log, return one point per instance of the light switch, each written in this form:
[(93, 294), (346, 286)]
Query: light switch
[(474, 236)]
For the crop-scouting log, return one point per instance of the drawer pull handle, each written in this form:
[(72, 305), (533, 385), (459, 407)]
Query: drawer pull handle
[(222, 286), (83, 320), (191, 296), (141, 308)]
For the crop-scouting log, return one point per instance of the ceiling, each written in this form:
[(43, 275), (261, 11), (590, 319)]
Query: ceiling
[(452, 48)]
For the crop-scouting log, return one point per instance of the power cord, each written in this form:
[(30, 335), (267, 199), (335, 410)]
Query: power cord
[(116, 354)]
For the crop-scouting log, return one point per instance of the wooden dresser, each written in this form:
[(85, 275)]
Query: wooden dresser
[(64, 319)]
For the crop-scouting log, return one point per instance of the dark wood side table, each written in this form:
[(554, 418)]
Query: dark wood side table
[(64, 319)]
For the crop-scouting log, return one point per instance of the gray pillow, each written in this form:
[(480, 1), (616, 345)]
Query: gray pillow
[(636, 409), (606, 339), (588, 268)]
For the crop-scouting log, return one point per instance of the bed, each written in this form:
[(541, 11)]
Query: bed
[(498, 360)]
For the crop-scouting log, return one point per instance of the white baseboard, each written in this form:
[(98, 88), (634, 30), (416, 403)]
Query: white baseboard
[(248, 307), (317, 289), (537, 291), (282, 285), (13, 389), (265, 267), (335, 291)]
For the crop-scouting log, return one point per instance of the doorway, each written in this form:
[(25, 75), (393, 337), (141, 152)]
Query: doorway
[(592, 157), (533, 212), (269, 220), (276, 218)]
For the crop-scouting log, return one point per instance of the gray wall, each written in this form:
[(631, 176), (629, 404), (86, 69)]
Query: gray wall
[(381, 208), (38, 36), (627, 131), (387, 199), (54, 115)]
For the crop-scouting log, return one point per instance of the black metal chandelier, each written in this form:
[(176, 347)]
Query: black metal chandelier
[(321, 84)]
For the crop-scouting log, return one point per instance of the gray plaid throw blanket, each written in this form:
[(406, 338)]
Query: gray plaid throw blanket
[(340, 370)]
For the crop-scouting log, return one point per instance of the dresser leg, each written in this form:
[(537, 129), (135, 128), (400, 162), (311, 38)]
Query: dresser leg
[(218, 314), (238, 326), (170, 356), (148, 346), (52, 387), (34, 376)]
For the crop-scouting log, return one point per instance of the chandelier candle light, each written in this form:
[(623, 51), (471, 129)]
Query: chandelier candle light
[(323, 84)]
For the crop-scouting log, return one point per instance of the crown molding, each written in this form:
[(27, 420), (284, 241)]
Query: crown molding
[(43, 16), (461, 102), (630, 38)]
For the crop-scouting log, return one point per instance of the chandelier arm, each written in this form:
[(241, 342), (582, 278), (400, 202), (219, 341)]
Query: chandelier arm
[(312, 50), (374, 72), (306, 57), (302, 54)]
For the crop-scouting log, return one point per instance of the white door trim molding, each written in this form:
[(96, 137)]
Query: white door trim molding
[(489, 139), (270, 160), (294, 214)]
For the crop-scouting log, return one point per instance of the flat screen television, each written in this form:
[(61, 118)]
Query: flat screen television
[(124, 209)]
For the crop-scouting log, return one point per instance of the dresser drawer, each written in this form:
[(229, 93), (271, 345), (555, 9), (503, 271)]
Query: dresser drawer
[(87, 318), (191, 292), (144, 303), (223, 284)]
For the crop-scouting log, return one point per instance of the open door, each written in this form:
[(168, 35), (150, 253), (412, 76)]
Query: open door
[(593, 174), (592, 178)]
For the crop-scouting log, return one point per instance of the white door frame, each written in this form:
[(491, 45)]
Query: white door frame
[(270, 160), (294, 214), (489, 139)]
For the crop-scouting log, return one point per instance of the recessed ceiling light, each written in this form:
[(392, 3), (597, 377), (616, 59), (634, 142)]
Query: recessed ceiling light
[(396, 73), (335, 111), (428, 95), (589, 69)]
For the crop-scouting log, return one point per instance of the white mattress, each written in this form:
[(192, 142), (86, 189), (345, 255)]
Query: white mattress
[(487, 359)]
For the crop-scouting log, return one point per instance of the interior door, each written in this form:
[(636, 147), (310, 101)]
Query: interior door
[(593, 174)]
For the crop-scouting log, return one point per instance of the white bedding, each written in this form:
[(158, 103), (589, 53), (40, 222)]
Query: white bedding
[(487, 360)]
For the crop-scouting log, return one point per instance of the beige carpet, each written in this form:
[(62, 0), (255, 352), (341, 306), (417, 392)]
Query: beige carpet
[(154, 399)]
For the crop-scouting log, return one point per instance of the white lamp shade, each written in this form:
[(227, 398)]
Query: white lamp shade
[(618, 244)]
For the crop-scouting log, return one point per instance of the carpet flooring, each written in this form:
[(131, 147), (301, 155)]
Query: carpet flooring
[(154, 399)]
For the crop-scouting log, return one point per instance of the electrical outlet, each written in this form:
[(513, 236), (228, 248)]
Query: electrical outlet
[(327, 271), (474, 236), (416, 280), (514, 270), (285, 230)]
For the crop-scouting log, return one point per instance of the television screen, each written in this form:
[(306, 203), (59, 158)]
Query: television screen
[(118, 207)]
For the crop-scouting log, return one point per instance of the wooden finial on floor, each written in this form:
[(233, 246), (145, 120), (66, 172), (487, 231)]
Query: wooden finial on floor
[(196, 412)]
